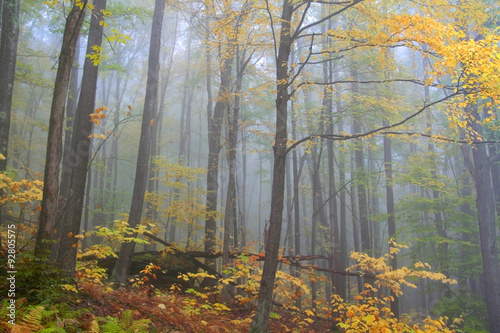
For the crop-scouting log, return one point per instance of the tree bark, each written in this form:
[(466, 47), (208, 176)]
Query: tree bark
[(485, 203), (8, 56), (360, 174), (66, 166), (214, 147), (141, 172), (391, 221), (264, 303), (81, 148), (231, 216), (344, 251), (56, 124), (334, 263)]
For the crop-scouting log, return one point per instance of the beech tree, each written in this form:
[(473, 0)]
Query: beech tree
[(143, 157), (80, 143), (215, 122), (8, 56), (288, 34), (53, 156)]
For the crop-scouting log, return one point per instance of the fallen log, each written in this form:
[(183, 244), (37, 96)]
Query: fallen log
[(289, 260)]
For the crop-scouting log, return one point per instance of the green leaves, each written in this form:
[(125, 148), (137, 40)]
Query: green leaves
[(274, 315)]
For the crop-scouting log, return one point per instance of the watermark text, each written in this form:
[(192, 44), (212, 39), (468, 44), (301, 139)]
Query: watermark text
[(11, 273)]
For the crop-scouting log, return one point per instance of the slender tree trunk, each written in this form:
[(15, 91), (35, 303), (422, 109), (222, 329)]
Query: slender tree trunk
[(8, 56), (56, 124), (82, 147), (485, 203), (68, 132), (264, 302), (231, 217), (66, 166), (214, 147), (154, 183), (495, 167), (344, 251), (113, 158), (466, 209), (86, 219), (334, 263), (183, 155), (296, 201), (391, 220), (360, 174), (230, 210), (122, 266)]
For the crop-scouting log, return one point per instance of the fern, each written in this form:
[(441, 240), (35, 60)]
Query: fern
[(111, 326), (32, 320), (126, 319), (94, 327), (141, 325), (124, 324), (53, 330)]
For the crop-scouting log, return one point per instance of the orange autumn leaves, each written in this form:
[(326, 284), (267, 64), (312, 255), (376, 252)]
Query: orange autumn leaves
[(98, 115)]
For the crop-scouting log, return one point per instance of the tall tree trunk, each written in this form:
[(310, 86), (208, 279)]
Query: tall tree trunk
[(86, 219), (391, 220), (81, 145), (183, 155), (231, 217), (243, 194), (113, 158), (334, 263), (344, 251), (360, 174), (495, 167), (465, 278), (264, 302), (66, 166), (214, 147), (122, 265), (296, 201), (8, 55), (154, 183), (355, 222), (67, 162), (56, 124), (485, 203), (438, 217)]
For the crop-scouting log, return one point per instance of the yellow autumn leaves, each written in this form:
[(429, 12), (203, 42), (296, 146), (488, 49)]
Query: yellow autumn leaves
[(394, 279), (371, 311), (22, 192)]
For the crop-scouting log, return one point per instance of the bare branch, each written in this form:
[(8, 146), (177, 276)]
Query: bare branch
[(273, 32), (380, 130), (422, 83), (301, 67), (326, 18)]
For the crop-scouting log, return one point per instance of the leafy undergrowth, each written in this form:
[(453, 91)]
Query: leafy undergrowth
[(167, 312), (92, 305), (98, 308)]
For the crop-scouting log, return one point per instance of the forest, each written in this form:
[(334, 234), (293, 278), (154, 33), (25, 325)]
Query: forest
[(250, 166)]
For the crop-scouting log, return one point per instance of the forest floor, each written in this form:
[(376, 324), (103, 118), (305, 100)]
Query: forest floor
[(178, 311), (100, 308)]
